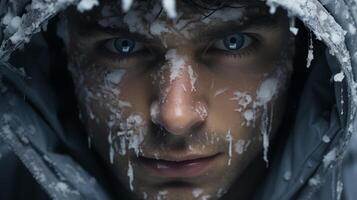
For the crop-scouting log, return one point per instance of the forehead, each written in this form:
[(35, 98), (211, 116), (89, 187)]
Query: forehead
[(110, 14), (196, 21)]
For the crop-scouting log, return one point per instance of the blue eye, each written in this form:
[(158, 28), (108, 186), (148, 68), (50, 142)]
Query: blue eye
[(124, 46), (233, 42)]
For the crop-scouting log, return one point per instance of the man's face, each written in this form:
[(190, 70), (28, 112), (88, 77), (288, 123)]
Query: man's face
[(181, 108)]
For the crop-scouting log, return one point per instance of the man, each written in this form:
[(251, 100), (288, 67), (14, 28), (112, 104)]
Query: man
[(192, 102), (178, 107)]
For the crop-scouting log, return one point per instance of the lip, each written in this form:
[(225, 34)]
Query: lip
[(176, 167)]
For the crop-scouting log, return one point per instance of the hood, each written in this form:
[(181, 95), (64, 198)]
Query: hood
[(307, 166)]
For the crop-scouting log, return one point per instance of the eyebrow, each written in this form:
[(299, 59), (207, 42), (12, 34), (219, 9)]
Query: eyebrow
[(261, 21)]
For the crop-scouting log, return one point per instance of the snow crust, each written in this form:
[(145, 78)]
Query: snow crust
[(170, 7), (86, 5), (287, 175), (241, 146), (130, 175), (229, 138), (177, 63), (126, 4), (330, 157), (197, 192), (310, 53), (326, 139), (339, 77)]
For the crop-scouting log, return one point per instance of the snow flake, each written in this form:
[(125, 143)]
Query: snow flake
[(287, 175), (329, 157), (230, 140), (131, 176), (326, 139), (197, 192), (86, 5), (170, 7), (339, 77), (315, 181), (126, 4)]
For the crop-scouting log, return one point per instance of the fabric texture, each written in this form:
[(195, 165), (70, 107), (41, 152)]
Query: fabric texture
[(44, 157)]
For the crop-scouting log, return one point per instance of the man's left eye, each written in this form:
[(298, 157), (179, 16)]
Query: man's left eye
[(123, 46), (234, 42)]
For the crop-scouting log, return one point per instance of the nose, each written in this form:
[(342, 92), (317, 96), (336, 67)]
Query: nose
[(179, 112)]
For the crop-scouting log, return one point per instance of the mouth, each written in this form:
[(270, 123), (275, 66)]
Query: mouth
[(178, 167)]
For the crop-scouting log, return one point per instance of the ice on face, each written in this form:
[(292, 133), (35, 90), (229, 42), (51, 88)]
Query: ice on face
[(267, 90), (131, 176), (114, 77), (154, 112), (158, 27), (197, 192), (243, 100), (176, 63), (193, 77), (265, 128), (230, 141), (135, 22), (162, 195), (201, 110), (170, 7), (220, 91), (241, 146), (249, 116)]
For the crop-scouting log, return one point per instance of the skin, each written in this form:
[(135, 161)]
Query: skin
[(193, 112)]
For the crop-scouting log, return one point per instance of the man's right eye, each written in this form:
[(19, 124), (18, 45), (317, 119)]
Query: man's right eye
[(123, 46)]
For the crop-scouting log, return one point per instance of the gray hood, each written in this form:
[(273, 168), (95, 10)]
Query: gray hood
[(308, 166)]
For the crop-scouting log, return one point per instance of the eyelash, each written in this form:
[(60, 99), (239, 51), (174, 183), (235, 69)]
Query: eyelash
[(246, 51)]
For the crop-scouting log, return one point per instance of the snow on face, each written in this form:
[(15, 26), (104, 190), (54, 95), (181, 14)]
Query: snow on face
[(267, 90), (176, 63), (261, 104), (229, 138), (197, 192), (125, 133), (170, 7), (241, 146), (178, 67), (153, 24), (130, 175)]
